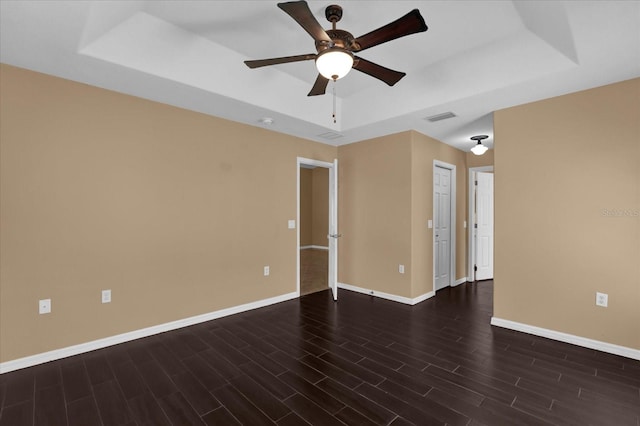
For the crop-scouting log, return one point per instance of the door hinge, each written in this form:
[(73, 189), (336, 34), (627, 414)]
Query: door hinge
[(475, 226), (475, 268), (476, 183)]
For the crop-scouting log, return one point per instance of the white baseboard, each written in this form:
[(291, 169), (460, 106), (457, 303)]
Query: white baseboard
[(459, 281), (422, 298), (41, 358), (314, 247), (388, 296), (568, 338)]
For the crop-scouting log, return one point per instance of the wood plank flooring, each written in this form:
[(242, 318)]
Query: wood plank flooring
[(314, 270), (361, 361)]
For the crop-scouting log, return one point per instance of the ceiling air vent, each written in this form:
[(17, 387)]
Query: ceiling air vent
[(438, 117), (330, 135)]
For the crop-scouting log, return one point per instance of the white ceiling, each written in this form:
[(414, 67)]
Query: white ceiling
[(477, 57)]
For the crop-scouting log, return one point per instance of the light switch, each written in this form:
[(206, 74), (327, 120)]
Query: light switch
[(292, 224), (429, 224)]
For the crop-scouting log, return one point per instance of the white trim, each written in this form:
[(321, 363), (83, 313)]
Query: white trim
[(568, 338), (314, 247), (459, 281), (422, 298), (453, 224), (388, 296), (470, 236), (314, 163), (41, 358)]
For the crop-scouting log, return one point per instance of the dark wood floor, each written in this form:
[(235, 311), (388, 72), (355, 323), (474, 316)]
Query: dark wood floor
[(361, 361)]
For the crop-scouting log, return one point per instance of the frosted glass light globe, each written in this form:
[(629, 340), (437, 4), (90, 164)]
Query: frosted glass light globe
[(334, 63)]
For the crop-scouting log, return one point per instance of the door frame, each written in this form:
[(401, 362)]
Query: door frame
[(471, 236), (333, 216), (452, 212)]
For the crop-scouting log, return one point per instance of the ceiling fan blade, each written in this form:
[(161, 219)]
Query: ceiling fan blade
[(299, 10), (320, 86), (387, 75), (275, 61), (410, 23)]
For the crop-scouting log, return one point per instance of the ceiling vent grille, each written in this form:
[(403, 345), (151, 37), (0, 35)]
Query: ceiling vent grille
[(439, 117), (330, 135)]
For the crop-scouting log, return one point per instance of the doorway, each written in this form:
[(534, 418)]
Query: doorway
[(481, 223), (444, 219), (314, 228), (317, 218)]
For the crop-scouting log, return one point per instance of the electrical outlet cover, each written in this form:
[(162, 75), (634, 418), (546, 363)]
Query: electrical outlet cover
[(602, 299), (44, 306)]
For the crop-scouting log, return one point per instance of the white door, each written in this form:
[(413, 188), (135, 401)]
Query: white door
[(484, 226), (442, 226), (333, 229)]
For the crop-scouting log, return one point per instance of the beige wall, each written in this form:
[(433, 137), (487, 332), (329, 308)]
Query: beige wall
[(386, 199), (483, 160), (320, 204), (374, 217), (560, 165), (101, 190), (174, 211), (314, 206)]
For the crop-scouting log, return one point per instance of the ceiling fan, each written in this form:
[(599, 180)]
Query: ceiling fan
[(335, 48)]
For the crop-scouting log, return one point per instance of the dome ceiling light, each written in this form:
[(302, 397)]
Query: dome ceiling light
[(479, 149)]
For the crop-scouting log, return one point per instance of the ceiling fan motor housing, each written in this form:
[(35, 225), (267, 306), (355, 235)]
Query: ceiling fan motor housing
[(340, 38)]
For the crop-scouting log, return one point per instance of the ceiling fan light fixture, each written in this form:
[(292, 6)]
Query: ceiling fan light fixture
[(479, 149), (334, 63)]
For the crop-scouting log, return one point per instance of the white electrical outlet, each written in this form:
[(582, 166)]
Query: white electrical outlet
[(401, 269), (106, 296), (44, 306), (291, 224), (266, 271), (602, 299)]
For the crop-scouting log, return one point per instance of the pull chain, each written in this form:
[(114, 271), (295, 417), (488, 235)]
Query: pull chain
[(334, 101)]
